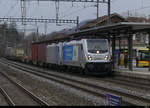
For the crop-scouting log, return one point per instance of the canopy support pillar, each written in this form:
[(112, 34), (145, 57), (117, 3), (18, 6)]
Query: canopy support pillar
[(113, 51), (149, 49), (119, 52), (130, 50)]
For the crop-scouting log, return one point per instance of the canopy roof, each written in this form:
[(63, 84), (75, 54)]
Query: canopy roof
[(117, 29)]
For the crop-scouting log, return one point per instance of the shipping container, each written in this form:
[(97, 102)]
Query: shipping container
[(10, 53), (52, 54), (28, 52), (19, 52), (42, 53), (34, 53)]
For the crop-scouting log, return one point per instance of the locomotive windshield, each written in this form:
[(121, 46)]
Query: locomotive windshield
[(97, 45)]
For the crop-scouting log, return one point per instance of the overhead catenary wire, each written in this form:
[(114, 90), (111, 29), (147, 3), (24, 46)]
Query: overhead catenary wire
[(73, 6), (11, 8), (143, 7), (136, 10), (57, 10), (2, 4), (76, 11), (114, 1)]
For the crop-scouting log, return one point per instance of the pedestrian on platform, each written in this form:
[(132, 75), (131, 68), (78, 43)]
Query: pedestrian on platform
[(125, 60)]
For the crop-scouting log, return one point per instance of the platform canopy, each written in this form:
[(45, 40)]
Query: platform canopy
[(115, 29), (108, 31)]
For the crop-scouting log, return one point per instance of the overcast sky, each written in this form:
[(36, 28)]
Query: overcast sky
[(68, 10)]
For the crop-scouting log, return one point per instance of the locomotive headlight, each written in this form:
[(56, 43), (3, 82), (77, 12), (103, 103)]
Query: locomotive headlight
[(106, 57), (97, 52), (89, 57)]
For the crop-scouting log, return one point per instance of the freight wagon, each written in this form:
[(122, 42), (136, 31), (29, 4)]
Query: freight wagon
[(14, 53), (42, 54), (34, 53)]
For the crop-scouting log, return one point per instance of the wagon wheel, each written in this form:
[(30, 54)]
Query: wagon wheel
[(83, 71)]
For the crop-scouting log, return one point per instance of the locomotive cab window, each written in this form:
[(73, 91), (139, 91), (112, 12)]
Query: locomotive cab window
[(97, 46)]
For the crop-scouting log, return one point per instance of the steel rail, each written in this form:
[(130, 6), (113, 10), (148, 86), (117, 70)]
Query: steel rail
[(129, 83), (34, 97), (47, 76), (79, 83), (6, 96)]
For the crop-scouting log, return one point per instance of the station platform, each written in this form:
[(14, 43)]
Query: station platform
[(142, 73)]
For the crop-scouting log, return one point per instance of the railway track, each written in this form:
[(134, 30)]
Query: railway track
[(128, 83), (129, 98), (16, 94), (7, 98)]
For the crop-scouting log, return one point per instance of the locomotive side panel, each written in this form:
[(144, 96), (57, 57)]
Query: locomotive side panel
[(81, 56), (67, 53), (71, 54)]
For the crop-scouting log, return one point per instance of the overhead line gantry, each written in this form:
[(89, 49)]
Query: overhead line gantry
[(100, 1), (91, 1), (38, 20)]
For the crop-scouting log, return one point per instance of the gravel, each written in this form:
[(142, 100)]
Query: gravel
[(18, 96), (99, 82), (55, 93), (71, 93), (2, 101)]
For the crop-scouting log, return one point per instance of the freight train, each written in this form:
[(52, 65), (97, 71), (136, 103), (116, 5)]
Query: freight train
[(85, 55), (14, 53)]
